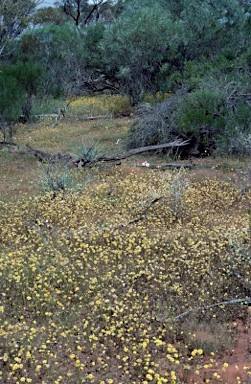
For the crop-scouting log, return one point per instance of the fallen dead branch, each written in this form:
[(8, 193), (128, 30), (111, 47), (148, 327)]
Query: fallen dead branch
[(246, 300), (8, 143), (90, 117), (87, 162), (45, 157), (61, 114), (165, 166)]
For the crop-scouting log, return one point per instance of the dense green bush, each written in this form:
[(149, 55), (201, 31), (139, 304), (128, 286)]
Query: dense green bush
[(19, 83), (215, 117)]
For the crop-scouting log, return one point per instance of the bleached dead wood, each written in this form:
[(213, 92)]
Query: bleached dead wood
[(166, 166), (87, 162)]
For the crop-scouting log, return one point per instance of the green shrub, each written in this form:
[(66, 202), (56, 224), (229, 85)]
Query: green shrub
[(58, 179), (215, 117)]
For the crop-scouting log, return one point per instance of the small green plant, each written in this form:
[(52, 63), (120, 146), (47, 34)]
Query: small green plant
[(58, 179), (88, 151), (173, 191)]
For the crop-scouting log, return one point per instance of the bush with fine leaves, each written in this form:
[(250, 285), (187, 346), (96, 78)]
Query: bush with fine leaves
[(215, 117), (154, 124)]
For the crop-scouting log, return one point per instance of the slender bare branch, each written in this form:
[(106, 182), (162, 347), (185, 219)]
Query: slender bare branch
[(246, 300), (84, 161)]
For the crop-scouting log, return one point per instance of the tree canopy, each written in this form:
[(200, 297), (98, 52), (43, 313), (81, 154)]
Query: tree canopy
[(135, 48), (14, 18)]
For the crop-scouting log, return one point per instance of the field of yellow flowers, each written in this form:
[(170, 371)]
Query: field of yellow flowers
[(141, 276)]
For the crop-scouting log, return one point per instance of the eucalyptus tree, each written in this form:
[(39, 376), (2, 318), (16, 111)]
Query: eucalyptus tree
[(82, 12), (137, 46), (14, 18), (209, 27), (48, 15), (69, 56)]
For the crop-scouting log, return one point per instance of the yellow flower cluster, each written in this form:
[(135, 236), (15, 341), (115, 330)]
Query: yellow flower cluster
[(100, 105), (91, 283)]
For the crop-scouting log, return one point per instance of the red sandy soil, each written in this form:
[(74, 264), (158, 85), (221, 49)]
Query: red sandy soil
[(238, 370)]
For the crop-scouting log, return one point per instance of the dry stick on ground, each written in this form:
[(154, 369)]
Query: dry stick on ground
[(164, 166), (48, 158), (113, 228), (143, 215), (84, 117), (100, 229), (232, 301), (84, 161), (8, 143)]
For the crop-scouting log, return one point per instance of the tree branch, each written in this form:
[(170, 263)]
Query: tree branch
[(95, 6), (113, 228), (232, 301), (83, 162)]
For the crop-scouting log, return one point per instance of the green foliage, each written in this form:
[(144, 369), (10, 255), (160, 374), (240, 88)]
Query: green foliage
[(199, 109), (58, 179), (20, 83), (47, 15), (215, 117), (11, 98), (89, 151), (196, 71), (69, 57), (135, 46), (217, 26), (15, 17), (139, 48)]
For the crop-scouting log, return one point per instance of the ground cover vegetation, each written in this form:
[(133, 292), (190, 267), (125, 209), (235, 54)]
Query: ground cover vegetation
[(127, 272), (121, 274)]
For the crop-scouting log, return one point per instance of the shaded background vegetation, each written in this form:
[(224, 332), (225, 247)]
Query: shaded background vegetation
[(196, 51)]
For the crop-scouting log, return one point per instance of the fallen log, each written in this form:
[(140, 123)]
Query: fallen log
[(90, 117), (84, 117), (8, 143), (48, 158), (86, 161), (164, 166)]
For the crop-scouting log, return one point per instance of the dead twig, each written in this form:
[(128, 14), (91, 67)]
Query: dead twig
[(86, 162), (246, 300), (112, 228)]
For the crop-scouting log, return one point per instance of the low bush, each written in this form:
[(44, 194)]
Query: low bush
[(57, 179), (214, 117)]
